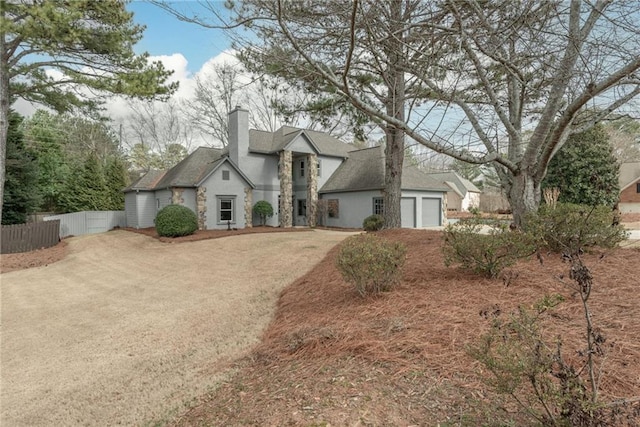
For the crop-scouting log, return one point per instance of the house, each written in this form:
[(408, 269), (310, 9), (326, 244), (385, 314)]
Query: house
[(306, 175), (462, 194), (629, 180)]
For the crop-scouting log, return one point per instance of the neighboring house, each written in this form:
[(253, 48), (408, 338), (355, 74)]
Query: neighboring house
[(462, 194), (301, 166), (629, 180)]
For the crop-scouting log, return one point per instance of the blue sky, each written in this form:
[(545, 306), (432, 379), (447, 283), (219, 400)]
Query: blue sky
[(166, 35)]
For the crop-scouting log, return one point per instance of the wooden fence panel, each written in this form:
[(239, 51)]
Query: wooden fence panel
[(28, 237)]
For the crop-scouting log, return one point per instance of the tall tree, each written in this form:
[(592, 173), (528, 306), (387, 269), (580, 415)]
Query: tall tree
[(585, 170), (624, 136), (482, 74), (21, 196), (89, 44), (116, 179), (157, 129)]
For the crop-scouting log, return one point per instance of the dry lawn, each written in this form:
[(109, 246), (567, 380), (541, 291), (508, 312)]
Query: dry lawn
[(332, 358), (125, 328)]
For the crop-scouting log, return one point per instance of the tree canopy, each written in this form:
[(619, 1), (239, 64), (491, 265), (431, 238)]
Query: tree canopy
[(71, 54), (502, 82)]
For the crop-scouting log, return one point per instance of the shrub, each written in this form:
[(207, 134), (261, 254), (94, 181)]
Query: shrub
[(264, 210), (373, 223), (175, 221), (569, 227), (486, 254), (371, 263)]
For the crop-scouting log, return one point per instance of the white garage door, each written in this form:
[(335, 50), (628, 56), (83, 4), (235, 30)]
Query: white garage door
[(430, 212), (408, 212)]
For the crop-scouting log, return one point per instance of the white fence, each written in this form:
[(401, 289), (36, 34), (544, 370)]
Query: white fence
[(88, 222)]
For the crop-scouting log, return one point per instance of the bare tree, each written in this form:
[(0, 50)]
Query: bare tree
[(155, 131), (502, 82)]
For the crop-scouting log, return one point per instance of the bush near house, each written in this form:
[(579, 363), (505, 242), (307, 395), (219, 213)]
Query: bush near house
[(176, 221), (373, 223), (264, 210), (371, 263)]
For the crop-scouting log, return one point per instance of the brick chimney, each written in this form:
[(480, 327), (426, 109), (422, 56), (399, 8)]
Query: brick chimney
[(238, 134)]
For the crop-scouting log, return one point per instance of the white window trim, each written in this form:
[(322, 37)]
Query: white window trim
[(219, 200), (373, 207)]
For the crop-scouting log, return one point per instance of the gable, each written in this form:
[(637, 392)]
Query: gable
[(301, 144)]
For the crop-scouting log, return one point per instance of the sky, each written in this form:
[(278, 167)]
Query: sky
[(165, 35)]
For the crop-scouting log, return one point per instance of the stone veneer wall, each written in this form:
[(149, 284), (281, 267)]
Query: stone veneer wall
[(444, 209), (286, 189), (312, 190), (248, 207), (201, 207), (176, 196)]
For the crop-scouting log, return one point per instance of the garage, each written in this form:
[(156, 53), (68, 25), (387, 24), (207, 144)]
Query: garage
[(431, 211), (408, 212)]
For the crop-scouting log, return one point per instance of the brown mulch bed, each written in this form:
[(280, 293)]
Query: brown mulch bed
[(331, 357), (37, 258)]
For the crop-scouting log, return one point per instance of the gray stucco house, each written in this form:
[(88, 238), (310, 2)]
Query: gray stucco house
[(307, 176)]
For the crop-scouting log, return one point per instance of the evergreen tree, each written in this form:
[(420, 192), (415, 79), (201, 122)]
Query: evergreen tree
[(585, 170), (21, 196), (85, 189), (116, 179), (89, 42)]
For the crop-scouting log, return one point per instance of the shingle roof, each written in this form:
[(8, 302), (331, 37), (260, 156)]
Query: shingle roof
[(273, 142), (629, 173), (192, 169), (364, 170), (147, 181), (463, 185)]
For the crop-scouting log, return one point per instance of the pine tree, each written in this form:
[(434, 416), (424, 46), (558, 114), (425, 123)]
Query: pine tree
[(21, 196)]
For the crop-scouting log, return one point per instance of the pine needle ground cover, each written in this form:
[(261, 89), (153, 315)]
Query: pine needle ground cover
[(331, 357)]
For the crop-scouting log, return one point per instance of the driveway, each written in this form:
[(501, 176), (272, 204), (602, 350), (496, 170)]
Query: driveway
[(126, 329)]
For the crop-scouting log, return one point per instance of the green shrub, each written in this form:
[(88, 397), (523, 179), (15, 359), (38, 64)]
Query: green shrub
[(264, 210), (371, 263), (486, 254), (175, 221), (571, 228), (373, 223)]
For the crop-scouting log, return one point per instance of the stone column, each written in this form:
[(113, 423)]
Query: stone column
[(444, 210), (312, 190), (286, 189), (248, 207), (176, 196), (201, 207)]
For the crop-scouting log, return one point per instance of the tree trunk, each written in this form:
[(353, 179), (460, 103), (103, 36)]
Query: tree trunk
[(4, 113), (524, 196), (394, 150)]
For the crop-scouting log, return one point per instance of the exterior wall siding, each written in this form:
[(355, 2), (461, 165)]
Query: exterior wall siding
[(147, 209), (234, 188), (131, 209)]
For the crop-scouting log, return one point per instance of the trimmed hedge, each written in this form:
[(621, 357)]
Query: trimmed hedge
[(176, 221)]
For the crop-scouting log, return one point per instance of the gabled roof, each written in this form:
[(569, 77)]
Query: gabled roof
[(274, 142), (192, 169), (146, 182), (364, 170), (457, 183), (629, 174)]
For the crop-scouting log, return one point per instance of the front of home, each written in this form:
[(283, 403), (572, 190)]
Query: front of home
[(309, 178), (629, 181)]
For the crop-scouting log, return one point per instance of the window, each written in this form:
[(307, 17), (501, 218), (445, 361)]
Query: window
[(225, 175), (319, 168), (638, 187), (301, 168), (302, 207), (226, 209), (378, 205)]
